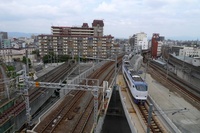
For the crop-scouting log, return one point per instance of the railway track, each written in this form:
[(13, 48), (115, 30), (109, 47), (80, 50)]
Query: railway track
[(87, 127), (76, 117), (34, 93), (60, 113), (173, 82), (141, 111), (2, 91), (85, 124), (2, 83), (155, 127)]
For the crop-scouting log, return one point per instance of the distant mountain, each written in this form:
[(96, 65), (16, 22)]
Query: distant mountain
[(20, 34)]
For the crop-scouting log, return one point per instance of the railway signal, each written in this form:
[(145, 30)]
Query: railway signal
[(37, 84)]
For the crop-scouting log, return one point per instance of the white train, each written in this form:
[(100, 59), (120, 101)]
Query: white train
[(138, 88)]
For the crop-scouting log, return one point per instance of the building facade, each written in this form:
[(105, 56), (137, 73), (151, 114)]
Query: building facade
[(127, 48), (4, 35), (156, 44), (86, 41), (139, 40), (4, 41), (189, 52), (9, 54)]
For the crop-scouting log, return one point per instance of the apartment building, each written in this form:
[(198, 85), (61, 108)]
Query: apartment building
[(86, 41), (4, 41), (4, 35), (189, 52), (139, 40), (8, 54), (156, 44)]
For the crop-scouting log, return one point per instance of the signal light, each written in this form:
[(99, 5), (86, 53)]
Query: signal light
[(37, 84)]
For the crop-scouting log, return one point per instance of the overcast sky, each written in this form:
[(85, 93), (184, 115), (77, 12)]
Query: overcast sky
[(122, 18)]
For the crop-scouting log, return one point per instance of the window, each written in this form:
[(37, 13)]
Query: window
[(141, 87)]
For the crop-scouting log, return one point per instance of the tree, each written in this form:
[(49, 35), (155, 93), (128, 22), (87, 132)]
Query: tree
[(76, 58), (24, 61), (63, 58), (45, 59), (36, 52)]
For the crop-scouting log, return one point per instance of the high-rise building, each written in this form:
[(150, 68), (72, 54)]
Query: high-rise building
[(4, 41), (139, 40), (86, 41), (4, 35), (156, 44)]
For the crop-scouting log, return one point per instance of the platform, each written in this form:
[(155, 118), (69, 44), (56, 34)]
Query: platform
[(130, 112), (185, 116)]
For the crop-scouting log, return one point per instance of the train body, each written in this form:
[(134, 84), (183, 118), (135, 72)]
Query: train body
[(160, 63), (137, 86)]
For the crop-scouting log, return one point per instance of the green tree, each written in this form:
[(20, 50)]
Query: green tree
[(11, 71), (36, 52), (24, 61), (63, 58), (76, 58), (45, 59)]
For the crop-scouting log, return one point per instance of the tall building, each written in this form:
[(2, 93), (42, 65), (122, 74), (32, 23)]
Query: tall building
[(88, 41), (156, 44), (4, 41), (139, 40), (4, 35), (1, 39), (98, 27)]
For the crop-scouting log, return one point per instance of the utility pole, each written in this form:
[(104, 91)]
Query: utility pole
[(145, 71), (51, 59), (149, 117), (146, 66), (27, 63), (79, 60), (54, 58), (167, 66), (26, 94), (79, 52), (115, 67), (183, 65), (57, 58)]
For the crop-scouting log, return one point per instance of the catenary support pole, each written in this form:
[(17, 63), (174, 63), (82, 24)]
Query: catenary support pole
[(149, 117)]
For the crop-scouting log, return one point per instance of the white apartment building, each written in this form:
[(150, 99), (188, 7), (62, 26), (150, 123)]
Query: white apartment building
[(140, 39), (189, 52), (159, 47)]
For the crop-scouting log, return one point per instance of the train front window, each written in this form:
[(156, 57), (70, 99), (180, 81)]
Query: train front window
[(141, 87)]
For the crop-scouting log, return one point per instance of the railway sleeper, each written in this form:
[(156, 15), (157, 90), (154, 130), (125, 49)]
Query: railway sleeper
[(157, 130), (155, 127)]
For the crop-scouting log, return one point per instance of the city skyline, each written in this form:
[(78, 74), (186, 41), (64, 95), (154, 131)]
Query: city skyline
[(169, 18)]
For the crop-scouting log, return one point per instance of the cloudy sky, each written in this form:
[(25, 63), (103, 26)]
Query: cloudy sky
[(122, 18)]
